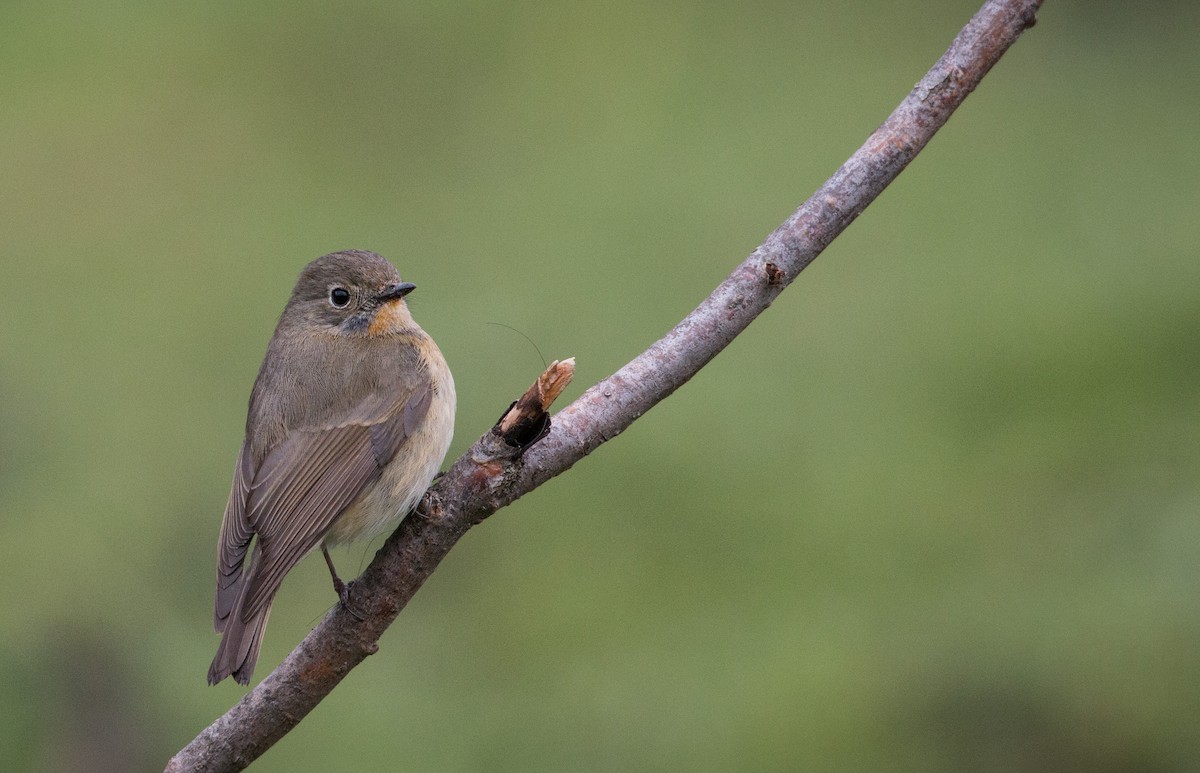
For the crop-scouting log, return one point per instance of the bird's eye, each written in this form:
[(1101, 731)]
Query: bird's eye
[(339, 297)]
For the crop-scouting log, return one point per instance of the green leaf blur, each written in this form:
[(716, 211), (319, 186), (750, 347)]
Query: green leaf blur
[(936, 510)]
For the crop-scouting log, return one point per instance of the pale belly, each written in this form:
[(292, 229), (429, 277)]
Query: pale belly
[(380, 508)]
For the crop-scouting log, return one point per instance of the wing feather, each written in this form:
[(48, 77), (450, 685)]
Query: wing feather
[(309, 479), (234, 541)]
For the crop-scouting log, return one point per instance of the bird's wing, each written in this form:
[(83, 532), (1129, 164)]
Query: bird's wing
[(235, 539), (303, 485)]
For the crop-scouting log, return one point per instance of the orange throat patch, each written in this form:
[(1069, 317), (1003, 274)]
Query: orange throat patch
[(391, 317)]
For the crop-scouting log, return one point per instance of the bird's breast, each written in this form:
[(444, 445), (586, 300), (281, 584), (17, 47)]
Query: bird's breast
[(404, 480)]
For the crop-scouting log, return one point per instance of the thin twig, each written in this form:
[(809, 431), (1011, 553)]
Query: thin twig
[(497, 470)]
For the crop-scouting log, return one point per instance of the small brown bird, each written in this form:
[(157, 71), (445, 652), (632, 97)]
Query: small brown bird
[(349, 420)]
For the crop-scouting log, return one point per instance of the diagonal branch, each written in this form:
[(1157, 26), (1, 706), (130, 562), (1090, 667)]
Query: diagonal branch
[(501, 467)]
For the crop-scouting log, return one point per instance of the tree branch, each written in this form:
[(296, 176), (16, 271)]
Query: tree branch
[(504, 464)]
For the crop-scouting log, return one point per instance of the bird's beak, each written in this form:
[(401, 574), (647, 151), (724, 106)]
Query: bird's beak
[(392, 292)]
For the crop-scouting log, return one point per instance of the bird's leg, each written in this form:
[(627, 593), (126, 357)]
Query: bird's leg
[(339, 587), (429, 507)]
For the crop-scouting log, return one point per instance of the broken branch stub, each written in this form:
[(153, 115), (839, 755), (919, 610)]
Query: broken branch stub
[(528, 419)]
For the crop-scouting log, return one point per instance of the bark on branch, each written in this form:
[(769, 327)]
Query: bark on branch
[(503, 465)]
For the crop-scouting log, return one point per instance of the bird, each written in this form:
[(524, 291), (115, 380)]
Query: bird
[(349, 420)]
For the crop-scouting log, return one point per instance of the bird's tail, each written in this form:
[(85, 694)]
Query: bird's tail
[(241, 637), (238, 651)]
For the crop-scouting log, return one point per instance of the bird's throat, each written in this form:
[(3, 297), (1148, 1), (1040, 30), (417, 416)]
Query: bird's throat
[(392, 317)]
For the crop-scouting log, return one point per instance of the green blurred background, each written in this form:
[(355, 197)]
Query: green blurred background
[(935, 510)]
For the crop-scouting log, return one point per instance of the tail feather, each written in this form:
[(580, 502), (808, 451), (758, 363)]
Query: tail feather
[(240, 637), (238, 651)]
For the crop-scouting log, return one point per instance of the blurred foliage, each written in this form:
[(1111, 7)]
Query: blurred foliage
[(936, 510)]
